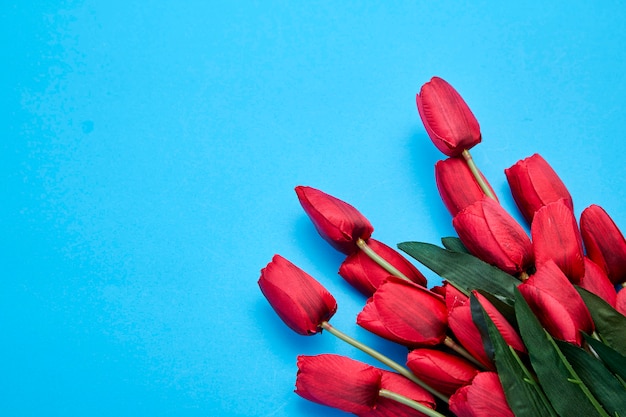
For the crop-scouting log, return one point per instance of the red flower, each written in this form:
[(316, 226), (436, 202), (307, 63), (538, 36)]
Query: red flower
[(336, 221), (457, 185), (484, 397), (534, 184), (448, 120), (386, 407), (462, 325), (556, 237), (405, 313), (442, 371), (339, 382), (366, 275), (556, 303), (300, 301), (491, 234), (508, 332), (620, 302), (597, 282), (604, 242)]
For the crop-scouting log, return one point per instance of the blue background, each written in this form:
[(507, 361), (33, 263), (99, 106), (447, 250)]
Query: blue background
[(148, 156)]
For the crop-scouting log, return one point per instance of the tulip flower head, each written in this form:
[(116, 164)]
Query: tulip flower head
[(556, 237), (596, 281), (448, 120), (339, 223), (457, 185), (339, 382), (396, 383), (604, 242), (491, 234), (534, 184), (443, 371), (405, 313), (366, 275), (484, 397), (298, 299), (556, 303)]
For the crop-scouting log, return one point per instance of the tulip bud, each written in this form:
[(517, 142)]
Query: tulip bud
[(336, 221), (366, 275), (405, 313), (396, 383), (298, 299), (441, 371), (448, 120), (556, 237), (457, 185), (556, 303), (534, 184), (465, 331), (484, 397), (491, 234), (604, 242), (596, 281), (339, 382), (620, 302), (507, 331)]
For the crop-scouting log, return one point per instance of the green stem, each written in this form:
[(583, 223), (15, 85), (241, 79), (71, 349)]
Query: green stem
[(380, 260), (479, 178), (448, 341), (382, 358), (409, 403)]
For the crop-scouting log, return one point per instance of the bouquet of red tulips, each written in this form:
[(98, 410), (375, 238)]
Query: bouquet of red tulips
[(522, 325)]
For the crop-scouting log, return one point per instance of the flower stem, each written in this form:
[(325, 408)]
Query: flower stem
[(449, 342), (383, 359), (380, 260), (409, 403), (479, 177)]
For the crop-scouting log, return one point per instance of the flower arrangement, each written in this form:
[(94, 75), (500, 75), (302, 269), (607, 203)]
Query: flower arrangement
[(522, 325)]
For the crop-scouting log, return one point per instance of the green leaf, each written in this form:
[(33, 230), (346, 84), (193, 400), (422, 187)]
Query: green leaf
[(610, 324), (613, 360), (523, 393), (464, 271), (601, 382), (454, 244), (567, 393)]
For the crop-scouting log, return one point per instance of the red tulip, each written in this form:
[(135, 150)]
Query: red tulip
[(508, 332), (457, 185), (448, 120), (597, 282), (453, 296), (386, 407), (491, 234), (604, 242), (556, 237), (339, 382), (556, 303), (298, 299), (336, 221), (462, 325), (620, 301), (442, 371), (484, 397), (366, 275), (534, 184), (405, 313)]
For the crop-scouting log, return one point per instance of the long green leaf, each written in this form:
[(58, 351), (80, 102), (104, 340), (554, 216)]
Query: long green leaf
[(610, 324), (463, 270), (613, 360), (454, 244), (601, 382), (567, 393), (523, 393)]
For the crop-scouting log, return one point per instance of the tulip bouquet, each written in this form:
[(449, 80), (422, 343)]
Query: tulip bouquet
[(521, 325)]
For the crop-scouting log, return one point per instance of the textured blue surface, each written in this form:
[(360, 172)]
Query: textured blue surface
[(148, 156)]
